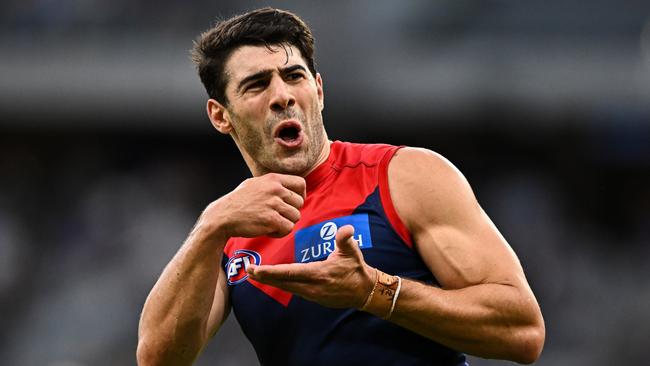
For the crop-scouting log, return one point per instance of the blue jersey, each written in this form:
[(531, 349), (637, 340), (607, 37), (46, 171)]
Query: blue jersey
[(351, 187)]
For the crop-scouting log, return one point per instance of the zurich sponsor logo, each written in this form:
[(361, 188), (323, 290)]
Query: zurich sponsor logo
[(318, 241), (237, 264)]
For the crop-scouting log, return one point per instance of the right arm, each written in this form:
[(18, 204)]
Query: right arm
[(189, 302)]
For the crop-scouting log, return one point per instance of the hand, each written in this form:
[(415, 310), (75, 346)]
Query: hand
[(265, 205), (343, 280)]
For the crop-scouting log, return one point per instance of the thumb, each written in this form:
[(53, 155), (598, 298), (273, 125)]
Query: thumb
[(344, 241)]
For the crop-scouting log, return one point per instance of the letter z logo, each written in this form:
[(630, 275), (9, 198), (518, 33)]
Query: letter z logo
[(328, 231)]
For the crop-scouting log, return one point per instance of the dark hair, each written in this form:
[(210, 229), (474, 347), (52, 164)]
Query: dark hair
[(266, 26)]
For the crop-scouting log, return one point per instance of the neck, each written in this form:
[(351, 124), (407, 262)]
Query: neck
[(322, 157), (258, 170)]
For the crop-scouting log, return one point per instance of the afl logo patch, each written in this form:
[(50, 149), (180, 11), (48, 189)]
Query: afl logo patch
[(237, 264)]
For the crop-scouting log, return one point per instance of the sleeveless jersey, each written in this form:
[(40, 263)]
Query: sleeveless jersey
[(350, 187)]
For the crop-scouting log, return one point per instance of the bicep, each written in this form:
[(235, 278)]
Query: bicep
[(220, 305), (453, 235), (468, 253)]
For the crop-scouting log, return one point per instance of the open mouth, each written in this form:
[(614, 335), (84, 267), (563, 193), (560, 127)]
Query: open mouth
[(288, 134)]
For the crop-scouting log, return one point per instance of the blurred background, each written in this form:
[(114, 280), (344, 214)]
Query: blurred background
[(107, 156)]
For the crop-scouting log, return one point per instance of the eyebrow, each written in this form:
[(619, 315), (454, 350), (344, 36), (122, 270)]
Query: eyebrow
[(265, 73)]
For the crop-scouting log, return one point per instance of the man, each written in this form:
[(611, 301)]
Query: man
[(333, 252)]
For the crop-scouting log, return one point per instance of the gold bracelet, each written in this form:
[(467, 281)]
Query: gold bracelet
[(372, 292)]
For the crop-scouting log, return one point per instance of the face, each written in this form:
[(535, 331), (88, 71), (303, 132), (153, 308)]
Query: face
[(274, 110)]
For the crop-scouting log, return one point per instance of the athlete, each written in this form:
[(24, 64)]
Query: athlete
[(333, 252)]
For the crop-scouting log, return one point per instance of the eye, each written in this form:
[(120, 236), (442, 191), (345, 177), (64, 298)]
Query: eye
[(295, 76), (259, 84)]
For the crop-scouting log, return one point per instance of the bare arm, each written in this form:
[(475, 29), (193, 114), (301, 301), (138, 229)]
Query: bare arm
[(189, 302), (485, 306)]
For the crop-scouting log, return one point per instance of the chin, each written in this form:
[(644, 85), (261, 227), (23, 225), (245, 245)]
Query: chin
[(294, 169), (293, 166)]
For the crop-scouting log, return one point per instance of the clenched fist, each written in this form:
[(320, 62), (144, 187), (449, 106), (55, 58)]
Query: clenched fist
[(264, 205)]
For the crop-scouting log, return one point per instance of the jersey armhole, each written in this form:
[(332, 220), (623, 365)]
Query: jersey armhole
[(387, 202)]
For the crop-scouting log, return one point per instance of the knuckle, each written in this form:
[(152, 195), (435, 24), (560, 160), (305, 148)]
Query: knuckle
[(275, 202), (298, 179), (276, 188), (273, 220), (272, 176)]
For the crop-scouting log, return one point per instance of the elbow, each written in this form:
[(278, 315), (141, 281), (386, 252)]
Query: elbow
[(158, 351), (151, 353), (145, 354), (531, 343)]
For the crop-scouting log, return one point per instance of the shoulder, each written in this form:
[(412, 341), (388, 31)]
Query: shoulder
[(426, 187), (351, 154), (414, 159), (423, 168)]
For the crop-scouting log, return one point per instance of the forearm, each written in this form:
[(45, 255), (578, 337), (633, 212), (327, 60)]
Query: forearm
[(486, 320), (173, 327), (189, 302)]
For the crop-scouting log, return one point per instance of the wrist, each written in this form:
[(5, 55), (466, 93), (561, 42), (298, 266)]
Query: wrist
[(212, 226), (382, 298), (210, 233)]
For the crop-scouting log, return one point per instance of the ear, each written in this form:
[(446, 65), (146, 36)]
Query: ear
[(319, 90), (219, 116)]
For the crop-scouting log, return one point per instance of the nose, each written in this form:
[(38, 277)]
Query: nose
[(281, 95)]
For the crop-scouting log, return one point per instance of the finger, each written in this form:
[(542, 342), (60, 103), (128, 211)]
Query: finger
[(293, 198), (280, 226), (294, 183), (345, 243), (303, 289), (298, 288), (293, 272), (287, 211)]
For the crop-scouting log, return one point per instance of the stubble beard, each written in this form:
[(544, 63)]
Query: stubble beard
[(262, 148)]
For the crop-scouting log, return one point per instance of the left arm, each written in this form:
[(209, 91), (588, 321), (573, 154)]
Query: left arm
[(484, 306)]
